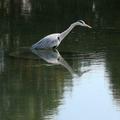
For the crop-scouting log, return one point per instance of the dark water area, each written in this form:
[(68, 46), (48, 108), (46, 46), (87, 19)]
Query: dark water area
[(80, 80)]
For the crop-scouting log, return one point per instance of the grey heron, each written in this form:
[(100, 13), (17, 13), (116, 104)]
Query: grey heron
[(54, 40)]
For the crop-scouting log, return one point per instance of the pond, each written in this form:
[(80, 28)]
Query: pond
[(79, 80)]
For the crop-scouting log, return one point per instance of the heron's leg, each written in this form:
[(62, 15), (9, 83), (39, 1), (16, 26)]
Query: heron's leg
[(54, 47)]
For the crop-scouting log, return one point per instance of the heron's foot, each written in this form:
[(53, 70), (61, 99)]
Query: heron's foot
[(54, 47)]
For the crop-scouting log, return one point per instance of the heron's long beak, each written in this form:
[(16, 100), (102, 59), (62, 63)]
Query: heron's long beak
[(87, 26)]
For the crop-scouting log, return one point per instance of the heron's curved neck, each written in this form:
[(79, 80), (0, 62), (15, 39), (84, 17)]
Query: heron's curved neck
[(66, 32)]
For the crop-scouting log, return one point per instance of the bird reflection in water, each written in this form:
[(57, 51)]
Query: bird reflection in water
[(53, 57)]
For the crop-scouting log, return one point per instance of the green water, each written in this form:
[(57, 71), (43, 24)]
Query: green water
[(80, 80)]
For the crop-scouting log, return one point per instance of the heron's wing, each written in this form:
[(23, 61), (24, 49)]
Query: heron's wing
[(44, 43), (47, 42)]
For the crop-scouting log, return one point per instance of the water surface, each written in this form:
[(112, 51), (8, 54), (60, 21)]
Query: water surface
[(80, 80)]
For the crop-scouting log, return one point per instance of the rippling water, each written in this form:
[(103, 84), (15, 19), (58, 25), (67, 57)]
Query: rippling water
[(80, 80)]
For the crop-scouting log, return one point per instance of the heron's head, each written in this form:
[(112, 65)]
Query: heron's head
[(82, 23)]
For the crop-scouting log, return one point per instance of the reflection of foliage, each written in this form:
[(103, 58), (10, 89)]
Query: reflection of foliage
[(113, 65), (19, 17), (27, 93), (57, 9)]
